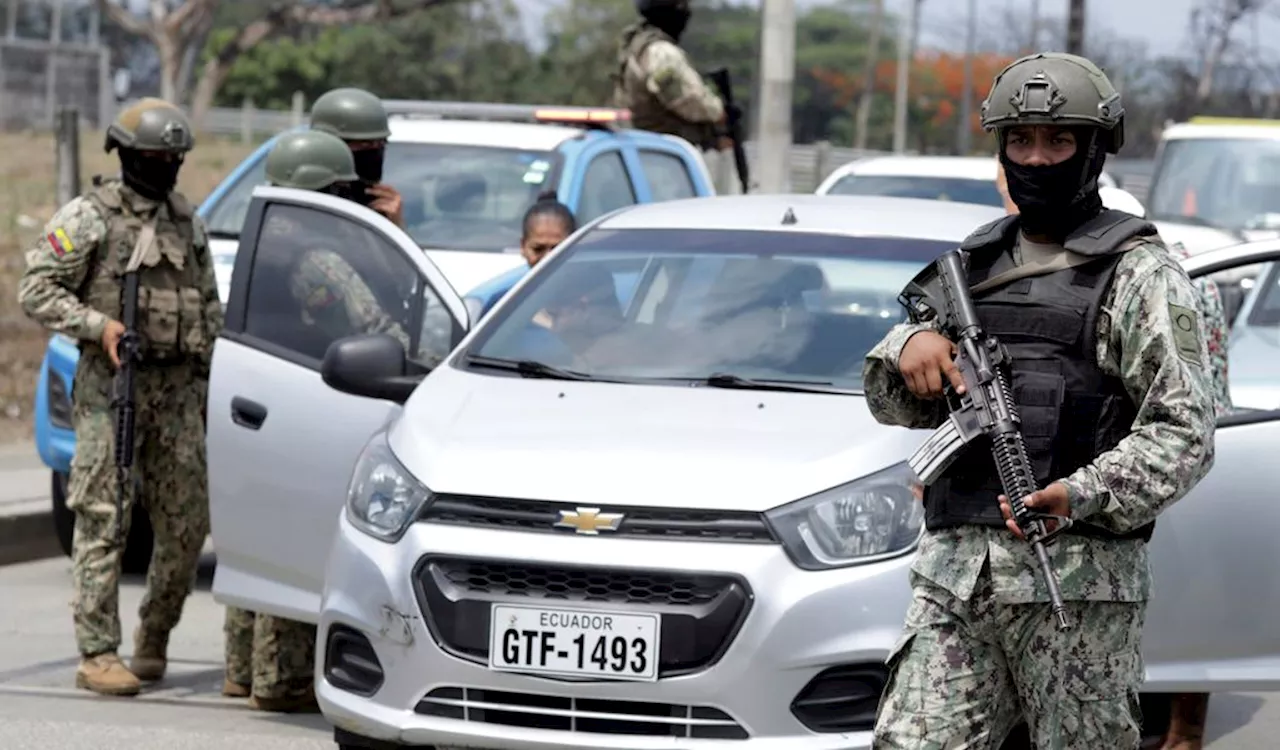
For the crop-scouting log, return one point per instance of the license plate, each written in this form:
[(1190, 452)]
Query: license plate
[(574, 642)]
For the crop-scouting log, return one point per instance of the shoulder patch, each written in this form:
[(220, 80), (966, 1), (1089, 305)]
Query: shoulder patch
[(1186, 333), (60, 242), (321, 297)]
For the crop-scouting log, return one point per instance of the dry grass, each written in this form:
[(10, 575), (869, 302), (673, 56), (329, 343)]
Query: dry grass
[(28, 181)]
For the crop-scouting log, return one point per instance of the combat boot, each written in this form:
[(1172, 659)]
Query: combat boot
[(304, 703), (232, 689), (149, 656), (107, 675)]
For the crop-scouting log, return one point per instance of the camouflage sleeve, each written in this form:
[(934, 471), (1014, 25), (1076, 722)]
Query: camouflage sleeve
[(57, 264), (1152, 338), (325, 282), (1215, 330), (678, 86), (886, 392), (213, 313)]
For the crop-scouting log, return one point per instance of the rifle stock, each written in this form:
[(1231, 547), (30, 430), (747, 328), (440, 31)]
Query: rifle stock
[(733, 122), (940, 293)]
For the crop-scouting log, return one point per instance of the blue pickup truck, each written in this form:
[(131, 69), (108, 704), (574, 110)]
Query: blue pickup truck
[(467, 173)]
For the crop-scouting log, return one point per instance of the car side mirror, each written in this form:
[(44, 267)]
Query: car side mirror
[(373, 366)]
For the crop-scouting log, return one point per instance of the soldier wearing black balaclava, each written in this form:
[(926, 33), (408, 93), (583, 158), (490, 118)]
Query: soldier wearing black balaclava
[(655, 81), (358, 118)]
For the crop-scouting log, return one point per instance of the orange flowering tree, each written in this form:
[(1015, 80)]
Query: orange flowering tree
[(936, 87)]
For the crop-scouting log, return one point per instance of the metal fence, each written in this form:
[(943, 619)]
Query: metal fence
[(38, 77)]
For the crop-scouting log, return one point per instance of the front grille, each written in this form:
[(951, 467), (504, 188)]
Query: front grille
[(647, 523), (701, 614), (593, 716)]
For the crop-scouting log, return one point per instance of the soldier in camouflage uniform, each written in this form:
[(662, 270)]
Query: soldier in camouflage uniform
[(73, 285), (334, 299), (656, 82), (1111, 378), (359, 119)]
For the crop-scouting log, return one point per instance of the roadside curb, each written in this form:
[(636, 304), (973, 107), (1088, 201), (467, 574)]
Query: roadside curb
[(28, 536)]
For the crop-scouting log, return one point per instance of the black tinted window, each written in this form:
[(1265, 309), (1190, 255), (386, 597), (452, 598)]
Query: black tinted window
[(318, 277)]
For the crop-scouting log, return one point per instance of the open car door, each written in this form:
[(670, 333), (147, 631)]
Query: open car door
[(311, 268), (1210, 625)]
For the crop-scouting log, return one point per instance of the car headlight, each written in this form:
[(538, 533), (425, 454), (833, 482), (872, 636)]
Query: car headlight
[(878, 516), (383, 498)]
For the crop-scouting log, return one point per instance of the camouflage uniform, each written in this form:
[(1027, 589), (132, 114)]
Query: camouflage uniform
[(663, 91), (979, 650), (72, 285), (336, 300)]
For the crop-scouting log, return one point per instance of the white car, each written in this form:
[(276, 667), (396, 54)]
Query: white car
[(671, 523), (966, 179)]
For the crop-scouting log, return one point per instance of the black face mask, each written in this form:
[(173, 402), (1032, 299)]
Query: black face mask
[(149, 176), (671, 21), (369, 164), (1053, 200)]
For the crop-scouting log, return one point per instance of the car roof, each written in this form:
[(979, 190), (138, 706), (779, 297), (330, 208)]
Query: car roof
[(1248, 130), (849, 215), (971, 167), (520, 135)]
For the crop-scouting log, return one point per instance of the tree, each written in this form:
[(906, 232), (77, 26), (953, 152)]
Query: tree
[(178, 28), (1211, 28)]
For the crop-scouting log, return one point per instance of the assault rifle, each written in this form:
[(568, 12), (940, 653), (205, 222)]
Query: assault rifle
[(123, 396), (733, 123), (941, 292)]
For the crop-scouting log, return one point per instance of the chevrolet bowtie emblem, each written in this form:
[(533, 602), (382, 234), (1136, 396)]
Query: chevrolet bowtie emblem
[(589, 520)]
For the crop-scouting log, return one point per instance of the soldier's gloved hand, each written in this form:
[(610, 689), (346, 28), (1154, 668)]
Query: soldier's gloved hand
[(926, 360), (111, 335), (1052, 500)]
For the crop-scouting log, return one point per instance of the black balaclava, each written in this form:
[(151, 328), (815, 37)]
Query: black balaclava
[(1053, 200), (149, 176), (669, 19), (369, 163)]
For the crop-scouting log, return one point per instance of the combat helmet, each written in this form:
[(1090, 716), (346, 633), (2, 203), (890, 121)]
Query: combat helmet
[(310, 160), (645, 7), (1055, 88), (151, 124), (351, 114)]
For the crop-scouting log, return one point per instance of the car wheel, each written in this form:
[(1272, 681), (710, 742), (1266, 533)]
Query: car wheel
[(137, 550)]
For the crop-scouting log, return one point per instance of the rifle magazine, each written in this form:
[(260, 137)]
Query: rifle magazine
[(938, 452)]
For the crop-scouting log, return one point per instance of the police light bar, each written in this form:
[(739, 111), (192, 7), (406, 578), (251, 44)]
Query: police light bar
[(1206, 120), (536, 113)]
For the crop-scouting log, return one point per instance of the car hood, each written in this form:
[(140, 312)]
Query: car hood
[(466, 270), (1196, 238), (592, 443)]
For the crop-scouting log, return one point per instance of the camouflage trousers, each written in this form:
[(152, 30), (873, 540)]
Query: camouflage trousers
[(965, 672), (283, 657), (238, 632), (169, 460)]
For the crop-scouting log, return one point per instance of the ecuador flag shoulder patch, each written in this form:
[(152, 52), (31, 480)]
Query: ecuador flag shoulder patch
[(60, 242)]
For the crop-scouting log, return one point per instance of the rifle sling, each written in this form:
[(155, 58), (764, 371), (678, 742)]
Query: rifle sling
[(1059, 262)]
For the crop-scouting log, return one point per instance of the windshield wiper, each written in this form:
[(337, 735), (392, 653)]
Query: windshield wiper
[(729, 380), (527, 368)]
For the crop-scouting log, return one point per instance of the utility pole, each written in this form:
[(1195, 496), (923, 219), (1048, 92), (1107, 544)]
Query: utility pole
[(1075, 27), (1033, 45), (906, 53), (964, 137), (869, 76), (777, 74)]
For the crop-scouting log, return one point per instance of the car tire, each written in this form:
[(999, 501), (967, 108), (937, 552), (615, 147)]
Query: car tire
[(137, 550)]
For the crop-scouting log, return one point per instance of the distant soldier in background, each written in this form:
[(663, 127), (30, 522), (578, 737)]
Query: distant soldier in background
[(73, 285), (656, 82)]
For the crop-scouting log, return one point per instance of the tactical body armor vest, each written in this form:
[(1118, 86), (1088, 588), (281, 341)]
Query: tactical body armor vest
[(1071, 410), (647, 112), (171, 307)]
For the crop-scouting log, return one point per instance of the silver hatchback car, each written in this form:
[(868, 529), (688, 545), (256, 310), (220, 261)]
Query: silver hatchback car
[(643, 505)]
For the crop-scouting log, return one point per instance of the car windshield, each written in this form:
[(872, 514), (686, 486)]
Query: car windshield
[(959, 189), (1266, 309), (1228, 183), (682, 306), (454, 197)]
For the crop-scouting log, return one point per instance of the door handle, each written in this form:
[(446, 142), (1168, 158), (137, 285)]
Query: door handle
[(247, 413)]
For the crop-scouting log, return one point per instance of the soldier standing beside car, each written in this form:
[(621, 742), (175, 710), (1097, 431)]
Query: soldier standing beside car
[(658, 85), (334, 299), (1110, 374), (73, 285)]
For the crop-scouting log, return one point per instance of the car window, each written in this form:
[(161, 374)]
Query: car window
[(1266, 305), (317, 277), (226, 218), (958, 189), (453, 197), (606, 187), (1230, 183), (678, 306), (668, 177)]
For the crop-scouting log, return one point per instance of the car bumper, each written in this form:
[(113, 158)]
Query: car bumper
[(796, 625)]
